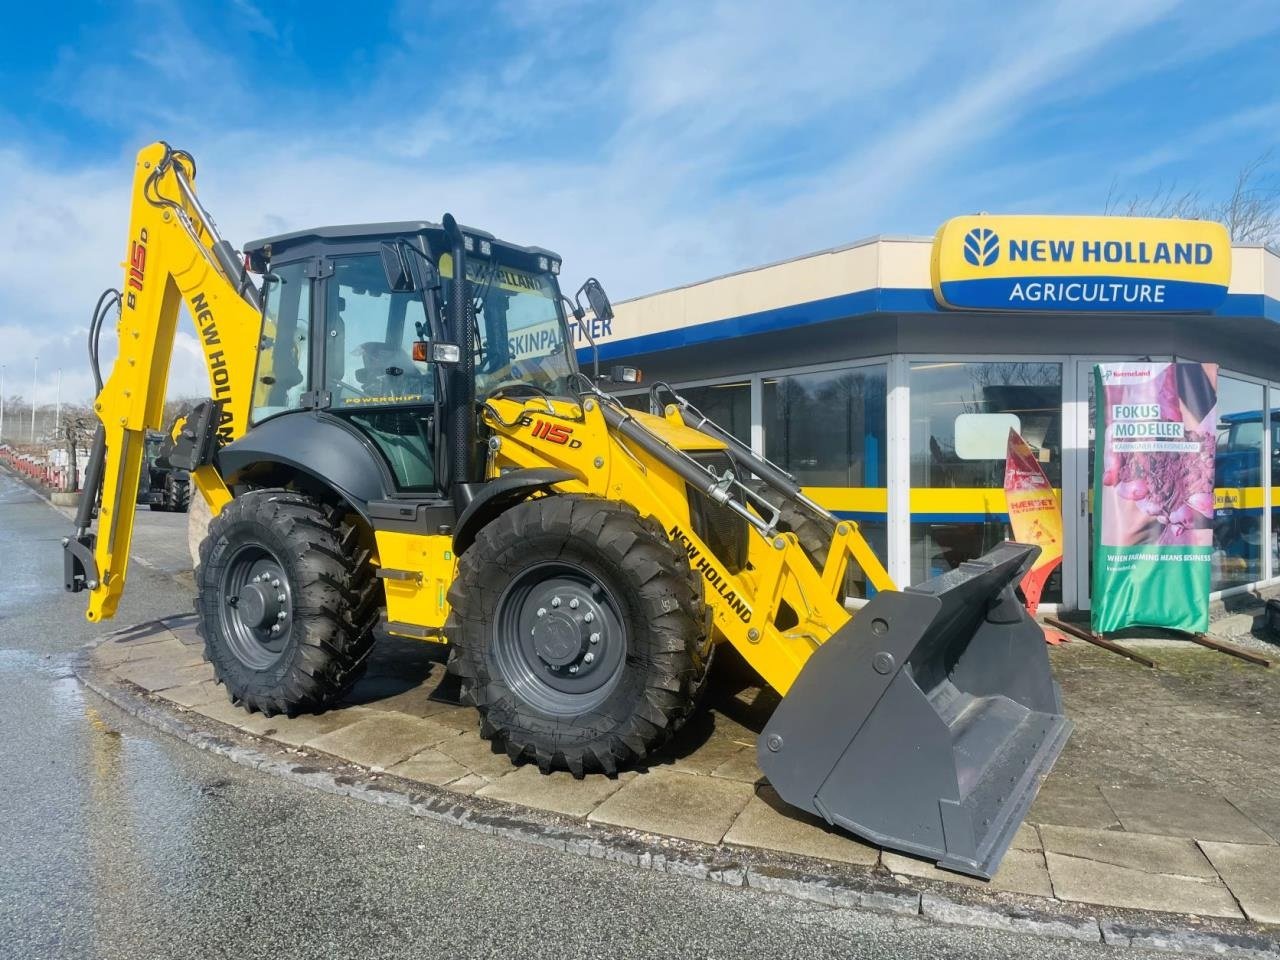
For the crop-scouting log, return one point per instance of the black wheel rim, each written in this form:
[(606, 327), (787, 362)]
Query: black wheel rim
[(257, 606), (559, 640)]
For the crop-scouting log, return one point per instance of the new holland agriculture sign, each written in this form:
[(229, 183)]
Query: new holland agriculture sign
[(1087, 264)]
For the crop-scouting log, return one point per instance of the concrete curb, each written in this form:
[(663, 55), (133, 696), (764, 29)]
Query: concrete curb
[(840, 887)]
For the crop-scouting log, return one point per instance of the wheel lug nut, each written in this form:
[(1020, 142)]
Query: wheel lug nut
[(588, 657), (573, 668), (275, 628), (595, 638), (573, 604), (542, 611), (281, 615), (589, 617), (555, 601), (281, 598), (276, 584)]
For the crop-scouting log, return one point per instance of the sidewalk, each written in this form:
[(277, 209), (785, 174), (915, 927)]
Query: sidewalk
[(1165, 799)]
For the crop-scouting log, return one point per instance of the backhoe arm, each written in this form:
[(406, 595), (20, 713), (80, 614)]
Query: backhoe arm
[(173, 255)]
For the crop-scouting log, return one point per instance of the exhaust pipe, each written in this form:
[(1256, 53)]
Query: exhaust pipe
[(462, 388)]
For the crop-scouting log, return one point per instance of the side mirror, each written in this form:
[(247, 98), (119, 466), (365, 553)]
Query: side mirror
[(598, 299), (436, 351), (400, 278)]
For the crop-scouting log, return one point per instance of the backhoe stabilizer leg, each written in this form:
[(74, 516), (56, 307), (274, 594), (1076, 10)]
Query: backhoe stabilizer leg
[(927, 723)]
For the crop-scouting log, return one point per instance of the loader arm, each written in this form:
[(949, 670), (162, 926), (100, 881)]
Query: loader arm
[(173, 255)]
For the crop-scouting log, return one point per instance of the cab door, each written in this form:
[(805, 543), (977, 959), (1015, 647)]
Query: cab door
[(370, 378)]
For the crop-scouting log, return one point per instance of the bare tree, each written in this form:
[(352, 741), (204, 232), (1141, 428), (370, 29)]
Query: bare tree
[(1250, 212), (77, 430)]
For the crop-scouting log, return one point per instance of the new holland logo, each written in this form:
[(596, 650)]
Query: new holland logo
[(981, 247), (1097, 264)]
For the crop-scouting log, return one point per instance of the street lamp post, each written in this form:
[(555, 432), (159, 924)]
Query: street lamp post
[(1, 403), (35, 366)]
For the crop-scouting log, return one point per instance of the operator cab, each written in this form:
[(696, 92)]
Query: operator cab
[(354, 322)]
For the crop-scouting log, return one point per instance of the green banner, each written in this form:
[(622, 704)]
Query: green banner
[(1154, 443)]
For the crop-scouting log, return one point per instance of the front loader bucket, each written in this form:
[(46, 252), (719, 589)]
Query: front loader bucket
[(928, 722)]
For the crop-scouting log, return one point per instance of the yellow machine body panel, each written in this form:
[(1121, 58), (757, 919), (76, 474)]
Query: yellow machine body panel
[(744, 606), (416, 571)]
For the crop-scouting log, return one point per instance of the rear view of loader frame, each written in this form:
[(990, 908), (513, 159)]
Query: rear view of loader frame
[(581, 559)]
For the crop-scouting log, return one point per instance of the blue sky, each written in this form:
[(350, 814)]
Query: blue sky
[(650, 143)]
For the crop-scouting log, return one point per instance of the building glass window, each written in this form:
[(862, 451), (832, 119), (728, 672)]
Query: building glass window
[(1275, 481), (961, 414), (828, 429), (727, 404), (1237, 517)]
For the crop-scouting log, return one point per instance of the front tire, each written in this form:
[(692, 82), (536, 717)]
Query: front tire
[(285, 601), (576, 634)]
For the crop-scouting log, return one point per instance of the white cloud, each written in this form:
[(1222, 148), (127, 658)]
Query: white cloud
[(679, 142)]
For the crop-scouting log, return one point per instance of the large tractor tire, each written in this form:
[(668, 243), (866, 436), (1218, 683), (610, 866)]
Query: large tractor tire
[(576, 633), (285, 601), (177, 494)]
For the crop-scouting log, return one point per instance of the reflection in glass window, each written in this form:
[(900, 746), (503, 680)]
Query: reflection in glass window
[(941, 393), (1237, 520), (727, 404), (828, 429), (957, 410)]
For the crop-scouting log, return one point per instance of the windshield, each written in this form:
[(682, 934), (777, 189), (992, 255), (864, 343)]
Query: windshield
[(521, 335)]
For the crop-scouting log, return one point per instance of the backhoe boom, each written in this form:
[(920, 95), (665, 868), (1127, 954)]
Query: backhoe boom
[(174, 255)]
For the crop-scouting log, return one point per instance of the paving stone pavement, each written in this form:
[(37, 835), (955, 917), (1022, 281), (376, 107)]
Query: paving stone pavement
[(1166, 797)]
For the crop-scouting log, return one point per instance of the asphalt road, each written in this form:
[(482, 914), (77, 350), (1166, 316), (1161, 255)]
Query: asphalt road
[(117, 841)]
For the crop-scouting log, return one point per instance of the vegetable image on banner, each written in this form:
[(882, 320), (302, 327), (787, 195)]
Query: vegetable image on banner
[(1153, 495), (1034, 514)]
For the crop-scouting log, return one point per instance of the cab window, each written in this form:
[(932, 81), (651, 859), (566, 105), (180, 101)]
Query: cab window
[(369, 338), (281, 378)]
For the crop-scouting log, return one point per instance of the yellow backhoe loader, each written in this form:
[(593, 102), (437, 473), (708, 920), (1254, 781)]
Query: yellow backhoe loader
[(399, 435)]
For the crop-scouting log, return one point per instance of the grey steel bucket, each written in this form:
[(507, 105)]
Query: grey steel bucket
[(926, 724)]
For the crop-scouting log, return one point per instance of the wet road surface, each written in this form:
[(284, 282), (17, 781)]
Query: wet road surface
[(117, 841)]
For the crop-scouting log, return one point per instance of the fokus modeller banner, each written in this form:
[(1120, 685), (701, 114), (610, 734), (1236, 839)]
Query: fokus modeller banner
[(1081, 264), (1153, 495)]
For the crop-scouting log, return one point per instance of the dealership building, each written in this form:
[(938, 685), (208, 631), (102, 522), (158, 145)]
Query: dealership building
[(885, 374)]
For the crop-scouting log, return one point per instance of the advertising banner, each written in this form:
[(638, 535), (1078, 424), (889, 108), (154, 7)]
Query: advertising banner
[(1034, 514), (1081, 264), (1153, 495)]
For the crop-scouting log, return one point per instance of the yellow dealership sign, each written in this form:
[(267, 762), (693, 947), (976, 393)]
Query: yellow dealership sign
[(1081, 264)]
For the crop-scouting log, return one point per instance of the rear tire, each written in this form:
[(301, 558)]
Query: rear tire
[(177, 494), (522, 638), (269, 544)]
